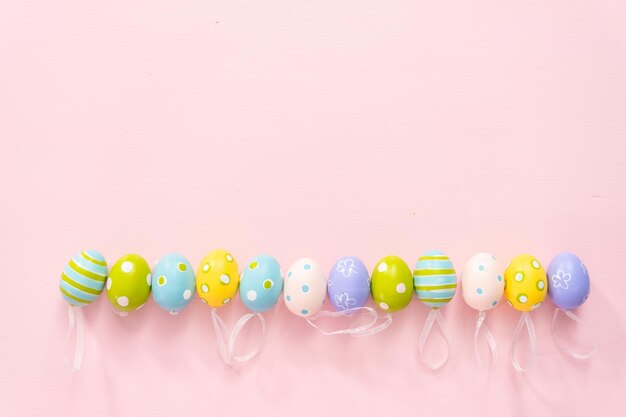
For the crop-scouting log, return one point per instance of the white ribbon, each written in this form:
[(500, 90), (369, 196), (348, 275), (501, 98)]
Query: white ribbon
[(75, 323), (241, 323), (348, 312), (220, 328), (480, 323), (375, 329), (435, 314), (524, 320), (227, 349), (561, 344)]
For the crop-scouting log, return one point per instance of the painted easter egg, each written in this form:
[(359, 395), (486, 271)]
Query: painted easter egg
[(391, 284), (348, 284), (174, 283), (526, 285), (217, 279), (261, 283), (305, 287), (129, 282), (483, 284), (568, 281), (83, 278), (434, 279)]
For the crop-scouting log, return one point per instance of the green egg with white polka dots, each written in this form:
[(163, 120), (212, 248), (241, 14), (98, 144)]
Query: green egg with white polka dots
[(129, 283), (392, 284)]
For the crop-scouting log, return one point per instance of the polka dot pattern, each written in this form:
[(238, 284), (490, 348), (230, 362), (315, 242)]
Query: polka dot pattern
[(175, 283), (525, 283), (482, 287), (217, 281), (391, 282), (130, 283), (305, 290), (127, 266)]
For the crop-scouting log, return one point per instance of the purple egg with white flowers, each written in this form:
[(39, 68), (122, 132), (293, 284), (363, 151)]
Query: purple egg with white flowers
[(348, 284), (568, 281)]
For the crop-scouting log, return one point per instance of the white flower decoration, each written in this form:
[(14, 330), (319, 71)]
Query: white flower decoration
[(347, 267), (561, 279), (344, 300), (584, 268)]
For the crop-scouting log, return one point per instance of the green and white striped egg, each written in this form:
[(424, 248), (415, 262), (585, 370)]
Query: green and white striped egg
[(83, 278), (434, 279)]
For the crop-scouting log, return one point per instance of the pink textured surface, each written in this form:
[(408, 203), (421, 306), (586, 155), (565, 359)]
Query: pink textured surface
[(312, 128)]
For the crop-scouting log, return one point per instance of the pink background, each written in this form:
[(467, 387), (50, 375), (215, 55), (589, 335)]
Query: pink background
[(307, 128)]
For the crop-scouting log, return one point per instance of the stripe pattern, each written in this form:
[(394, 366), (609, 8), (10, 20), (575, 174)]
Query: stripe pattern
[(83, 278), (434, 279)]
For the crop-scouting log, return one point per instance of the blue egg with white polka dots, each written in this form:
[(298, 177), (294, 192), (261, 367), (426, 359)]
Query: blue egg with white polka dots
[(261, 283), (174, 283)]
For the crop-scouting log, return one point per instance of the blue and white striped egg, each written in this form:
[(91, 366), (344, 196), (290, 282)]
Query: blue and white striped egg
[(174, 283), (434, 279), (83, 278), (261, 283)]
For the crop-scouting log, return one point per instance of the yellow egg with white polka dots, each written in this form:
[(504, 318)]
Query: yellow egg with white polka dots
[(525, 283), (217, 279)]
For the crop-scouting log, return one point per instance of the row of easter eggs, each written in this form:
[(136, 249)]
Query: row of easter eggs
[(173, 282)]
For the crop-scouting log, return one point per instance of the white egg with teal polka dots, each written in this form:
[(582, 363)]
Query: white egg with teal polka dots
[(482, 282), (305, 288), (173, 283)]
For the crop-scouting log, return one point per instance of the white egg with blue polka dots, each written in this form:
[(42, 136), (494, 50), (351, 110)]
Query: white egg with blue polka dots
[(305, 288), (482, 282)]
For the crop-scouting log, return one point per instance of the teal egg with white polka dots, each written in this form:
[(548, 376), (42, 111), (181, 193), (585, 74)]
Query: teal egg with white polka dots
[(174, 283), (261, 283), (305, 288)]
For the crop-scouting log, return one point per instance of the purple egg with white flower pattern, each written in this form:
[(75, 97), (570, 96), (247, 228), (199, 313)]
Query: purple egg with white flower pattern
[(348, 284), (568, 281)]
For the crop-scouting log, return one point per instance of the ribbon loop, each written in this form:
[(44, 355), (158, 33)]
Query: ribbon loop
[(238, 328), (524, 320), (481, 324), (348, 312), (226, 342), (434, 315), (220, 329), (560, 343), (375, 329), (75, 324)]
